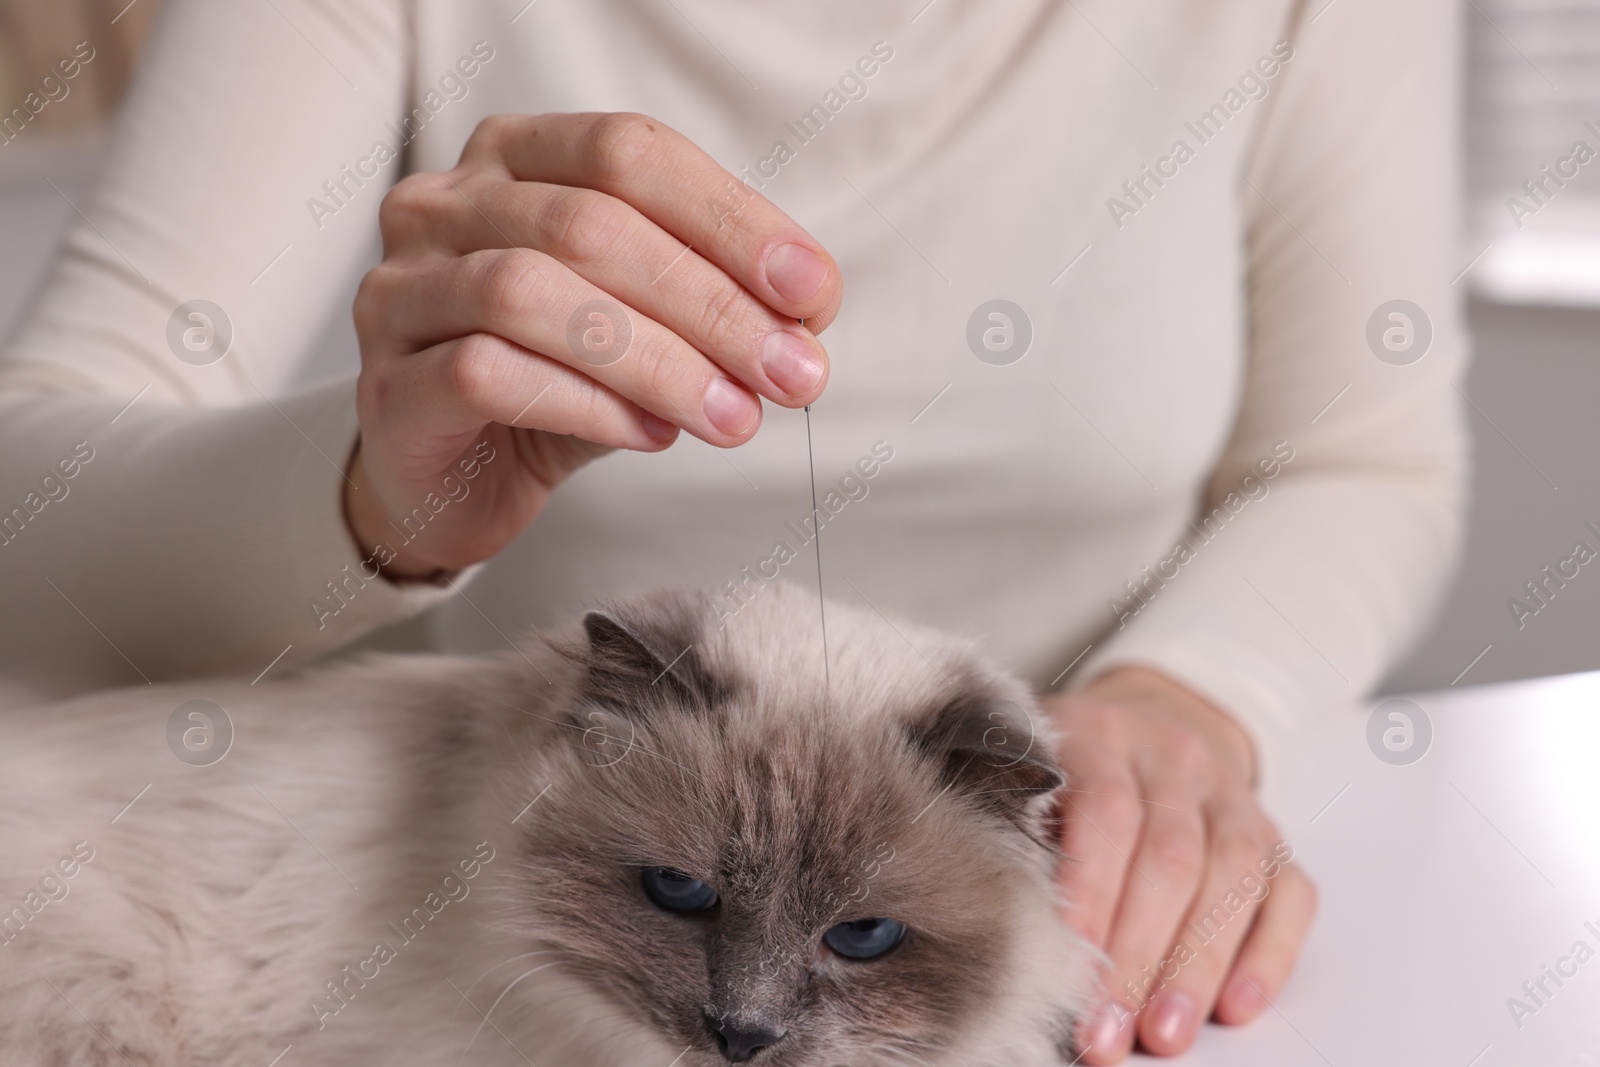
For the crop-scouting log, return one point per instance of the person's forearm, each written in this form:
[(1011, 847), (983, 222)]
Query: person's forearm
[(205, 534), (194, 541), (1299, 604)]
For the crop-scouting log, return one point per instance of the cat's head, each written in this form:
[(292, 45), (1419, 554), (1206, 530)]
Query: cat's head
[(742, 856)]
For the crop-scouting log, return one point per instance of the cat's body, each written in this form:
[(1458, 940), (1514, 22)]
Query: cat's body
[(404, 859)]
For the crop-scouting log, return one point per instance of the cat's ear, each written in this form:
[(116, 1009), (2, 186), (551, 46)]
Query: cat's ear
[(990, 750), (632, 663)]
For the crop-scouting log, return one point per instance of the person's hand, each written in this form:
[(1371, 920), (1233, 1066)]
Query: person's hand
[(1170, 865), (474, 335)]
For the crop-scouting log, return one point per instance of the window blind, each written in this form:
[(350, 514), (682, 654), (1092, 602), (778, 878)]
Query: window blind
[(1533, 149)]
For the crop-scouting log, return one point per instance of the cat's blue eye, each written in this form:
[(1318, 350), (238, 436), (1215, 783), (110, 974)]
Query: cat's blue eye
[(676, 891), (864, 939)]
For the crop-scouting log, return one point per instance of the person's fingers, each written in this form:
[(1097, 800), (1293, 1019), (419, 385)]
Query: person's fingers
[(531, 299), (614, 247), (435, 402), (1166, 871), (1192, 971), (676, 184), (1100, 817), (1270, 949)]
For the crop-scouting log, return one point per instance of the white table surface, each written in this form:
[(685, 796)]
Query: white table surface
[(1445, 884)]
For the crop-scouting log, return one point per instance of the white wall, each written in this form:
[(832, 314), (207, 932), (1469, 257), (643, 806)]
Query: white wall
[(1536, 379)]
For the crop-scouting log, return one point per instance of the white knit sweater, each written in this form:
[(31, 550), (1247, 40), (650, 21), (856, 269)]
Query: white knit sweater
[(1199, 463)]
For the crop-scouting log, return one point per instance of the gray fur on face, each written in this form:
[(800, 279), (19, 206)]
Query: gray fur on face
[(911, 781)]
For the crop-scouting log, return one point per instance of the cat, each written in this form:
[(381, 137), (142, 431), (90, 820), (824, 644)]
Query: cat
[(648, 840)]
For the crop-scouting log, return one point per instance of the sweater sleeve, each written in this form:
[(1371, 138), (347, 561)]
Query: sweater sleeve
[(1301, 579), (201, 518)]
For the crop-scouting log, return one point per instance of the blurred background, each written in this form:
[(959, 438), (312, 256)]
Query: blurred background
[(1531, 275), (36, 33)]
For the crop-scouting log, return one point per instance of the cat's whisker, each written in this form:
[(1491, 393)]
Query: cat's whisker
[(533, 714), (496, 967), (949, 1056), (625, 1025), (632, 745), (895, 1050), (512, 985), (997, 792), (624, 1021)]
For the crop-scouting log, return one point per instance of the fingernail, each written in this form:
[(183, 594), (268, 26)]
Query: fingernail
[(1104, 1031), (795, 272), (730, 409), (1172, 1019), (658, 428), (1243, 996), (790, 362)]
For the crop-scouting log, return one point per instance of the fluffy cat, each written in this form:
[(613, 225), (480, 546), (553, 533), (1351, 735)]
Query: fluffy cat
[(649, 841)]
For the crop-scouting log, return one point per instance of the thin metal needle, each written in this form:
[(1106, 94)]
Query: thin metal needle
[(816, 528)]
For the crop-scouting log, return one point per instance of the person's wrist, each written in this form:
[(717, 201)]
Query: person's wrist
[(1149, 687), (367, 523)]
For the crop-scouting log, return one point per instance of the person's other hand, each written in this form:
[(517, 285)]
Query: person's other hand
[(474, 335), (1170, 866)]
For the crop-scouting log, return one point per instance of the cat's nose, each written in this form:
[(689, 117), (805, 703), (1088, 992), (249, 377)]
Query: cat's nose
[(740, 1041)]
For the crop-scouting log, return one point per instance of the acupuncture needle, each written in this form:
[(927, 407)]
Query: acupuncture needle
[(816, 536)]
